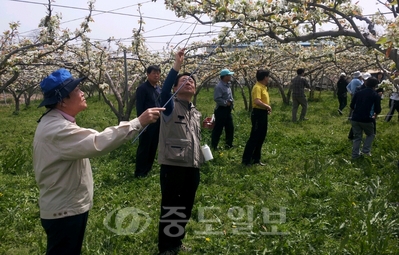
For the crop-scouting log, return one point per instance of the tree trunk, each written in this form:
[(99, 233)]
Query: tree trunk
[(16, 100), (288, 96), (27, 97)]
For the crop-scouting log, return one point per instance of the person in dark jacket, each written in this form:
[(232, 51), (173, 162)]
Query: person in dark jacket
[(298, 85), (341, 92), (147, 96), (366, 104)]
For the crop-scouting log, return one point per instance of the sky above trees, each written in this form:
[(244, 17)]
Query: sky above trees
[(119, 17)]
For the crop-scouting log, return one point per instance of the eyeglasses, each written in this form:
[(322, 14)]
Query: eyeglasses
[(187, 80)]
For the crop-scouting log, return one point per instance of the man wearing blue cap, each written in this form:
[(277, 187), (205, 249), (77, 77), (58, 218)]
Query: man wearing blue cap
[(60, 159), (224, 104)]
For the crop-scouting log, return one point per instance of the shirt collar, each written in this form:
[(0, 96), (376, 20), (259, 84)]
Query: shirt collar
[(67, 116), (185, 103), (227, 84), (149, 84), (260, 84)]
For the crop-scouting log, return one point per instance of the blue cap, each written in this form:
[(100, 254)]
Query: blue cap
[(57, 86), (225, 72)]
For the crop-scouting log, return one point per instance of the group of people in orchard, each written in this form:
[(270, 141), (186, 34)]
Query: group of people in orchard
[(172, 123), (259, 117), (347, 84), (260, 110), (61, 150), (365, 105)]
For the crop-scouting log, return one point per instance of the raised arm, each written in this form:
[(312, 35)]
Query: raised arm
[(169, 82)]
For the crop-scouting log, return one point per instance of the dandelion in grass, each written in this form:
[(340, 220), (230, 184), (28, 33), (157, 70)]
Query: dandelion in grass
[(207, 239)]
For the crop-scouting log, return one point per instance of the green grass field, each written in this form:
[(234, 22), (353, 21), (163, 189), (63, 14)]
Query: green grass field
[(309, 199)]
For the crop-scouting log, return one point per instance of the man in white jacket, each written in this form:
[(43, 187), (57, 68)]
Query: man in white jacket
[(60, 159)]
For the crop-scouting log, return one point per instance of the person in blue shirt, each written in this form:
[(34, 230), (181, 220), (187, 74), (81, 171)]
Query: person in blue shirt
[(224, 104), (355, 82), (351, 87), (366, 104)]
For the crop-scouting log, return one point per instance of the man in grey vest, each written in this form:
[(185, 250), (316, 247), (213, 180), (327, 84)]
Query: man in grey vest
[(179, 156)]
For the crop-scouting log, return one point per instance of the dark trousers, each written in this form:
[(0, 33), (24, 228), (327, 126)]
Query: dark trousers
[(178, 188), (223, 119), (147, 149), (296, 102), (65, 235), (351, 135), (342, 99), (252, 151), (393, 105)]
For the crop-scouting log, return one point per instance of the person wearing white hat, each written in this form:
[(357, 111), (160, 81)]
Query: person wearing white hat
[(355, 82), (351, 87), (341, 92), (224, 105), (365, 76)]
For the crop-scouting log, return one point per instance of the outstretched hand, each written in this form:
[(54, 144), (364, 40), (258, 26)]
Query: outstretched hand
[(179, 57), (150, 115)]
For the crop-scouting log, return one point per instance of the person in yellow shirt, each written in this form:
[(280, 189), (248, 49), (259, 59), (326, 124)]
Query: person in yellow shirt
[(260, 110)]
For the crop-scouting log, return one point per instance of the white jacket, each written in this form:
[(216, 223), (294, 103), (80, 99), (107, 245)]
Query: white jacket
[(60, 159)]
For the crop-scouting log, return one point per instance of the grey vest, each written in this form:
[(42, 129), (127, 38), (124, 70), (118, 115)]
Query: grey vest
[(180, 135)]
